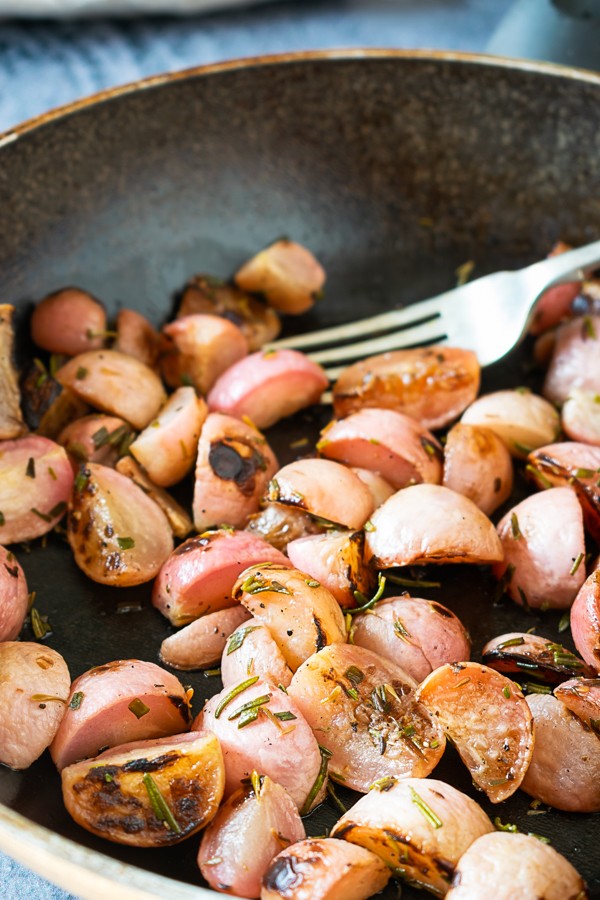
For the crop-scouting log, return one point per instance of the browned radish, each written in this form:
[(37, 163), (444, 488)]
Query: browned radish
[(286, 274), (197, 349), (431, 384), (178, 519), (252, 650), (519, 866), (121, 701), (62, 409), (96, 438), (582, 697), (14, 596), (324, 869), (418, 635), (34, 690), (385, 441), (521, 419), (325, 489), (115, 383), (585, 620), (577, 465), (299, 612), (428, 523), (147, 793), (167, 446), (335, 559), (364, 711), (207, 294), (11, 417), (35, 483), (118, 535), (250, 828), (70, 321), (137, 337), (580, 416), (544, 548), (201, 643), (268, 386), (258, 724), (233, 469), (419, 827), (478, 465), (279, 525), (532, 655), (565, 769), (487, 719), (199, 575), (575, 362)]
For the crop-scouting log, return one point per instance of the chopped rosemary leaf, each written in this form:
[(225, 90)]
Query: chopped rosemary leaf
[(511, 642), (400, 631), (424, 808), (532, 688), (539, 837), (40, 515), (354, 675), (576, 564), (539, 476), (412, 582), (251, 704), (588, 327), (30, 470), (368, 526), (238, 637), (82, 478), (81, 373), (256, 781), (76, 700), (258, 584), (331, 791), (514, 524), (508, 827), (2, 519), (100, 437), (138, 708), (160, 807), (233, 693), (506, 691), (208, 673), (39, 624), (57, 510), (126, 543), (285, 716), (565, 621), (368, 604), (319, 780), (312, 584), (521, 448), (250, 715)]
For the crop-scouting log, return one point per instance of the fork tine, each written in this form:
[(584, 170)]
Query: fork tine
[(396, 340), (395, 318)]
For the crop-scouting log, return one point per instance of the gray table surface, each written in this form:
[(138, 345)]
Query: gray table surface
[(45, 64)]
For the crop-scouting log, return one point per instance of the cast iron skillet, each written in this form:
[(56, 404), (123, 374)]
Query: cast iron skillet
[(394, 168)]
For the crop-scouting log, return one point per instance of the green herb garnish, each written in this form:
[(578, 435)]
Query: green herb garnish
[(160, 807), (138, 708), (232, 694), (424, 808)]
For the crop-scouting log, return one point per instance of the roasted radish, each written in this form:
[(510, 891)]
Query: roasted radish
[(582, 697), (96, 438), (198, 349), (69, 321), (286, 274), (478, 465), (279, 525), (11, 417), (201, 643), (580, 416), (252, 650), (14, 596), (575, 362), (335, 560), (137, 337), (530, 655), (585, 620), (177, 517), (520, 418)]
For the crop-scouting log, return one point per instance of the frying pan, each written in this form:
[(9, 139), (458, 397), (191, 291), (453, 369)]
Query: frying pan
[(394, 168)]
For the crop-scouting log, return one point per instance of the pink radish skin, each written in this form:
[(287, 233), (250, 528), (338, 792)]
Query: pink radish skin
[(575, 362), (478, 465), (137, 337), (78, 440), (521, 419), (69, 321), (14, 596), (335, 559), (380, 489), (585, 620)]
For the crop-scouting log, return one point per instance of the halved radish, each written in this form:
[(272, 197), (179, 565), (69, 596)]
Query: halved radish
[(198, 349), (575, 362), (137, 337), (530, 655), (585, 620), (335, 559), (14, 596), (582, 697), (523, 420), (252, 650), (478, 465), (286, 274), (201, 643)]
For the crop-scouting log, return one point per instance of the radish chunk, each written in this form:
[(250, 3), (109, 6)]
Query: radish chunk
[(115, 383), (137, 337), (565, 769), (167, 447), (178, 519), (257, 724), (544, 548), (35, 483), (428, 523), (199, 575), (147, 793), (387, 442), (486, 717), (233, 469), (581, 416), (521, 419), (575, 362), (518, 866), (585, 620), (250, 828), (206, 294), (201, 643), (268, 386), (70, 321), (286, 274), (478, 465), (197, 349), (118, 535), (418, 635), (582, 697), (325, 489), (34, 690), (11, 417), (121, 701), (380, 489), (324, 869), (432, 384), (364, 710), (99, 439), (335, 559), (252, 650), (279, 525), (299, 612), (576, 465), (420, 828), (14, 596), (529, 654)]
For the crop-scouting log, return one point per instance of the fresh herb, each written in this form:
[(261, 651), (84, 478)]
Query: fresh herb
[(412, 582), (538, 837), (100, 437), (400, 631), (30, 470), (368, 604), (506, 691), (57, 510), (313, 584), (209, 673), (232, 694), (126, 543), (576, 564), (238, 637), (379, 699), (285, 716), (82, 478), (40, 624), (499, 826), (2, 519), (565, 621), (510, 642), (521, 448), (424, 808), (354, 675), (588, 328), (40, 515), (81, 373), (138, 708), (532, 688), (383, 784), (514, 524), (368, 526), (250, 715), (251, 704), (319, 780), (160, 807), (464, 272), (331, 791), (76, 700), (257, 584)]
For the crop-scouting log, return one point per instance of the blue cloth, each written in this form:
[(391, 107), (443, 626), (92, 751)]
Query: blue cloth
[(43, 65)]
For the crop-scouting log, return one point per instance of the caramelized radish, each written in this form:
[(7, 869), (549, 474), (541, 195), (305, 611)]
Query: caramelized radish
[(335, 559), (286, 274), (11, 417), (580, 416), (532, 655), (478, 465), (198, 349), (137, 337), (585, 620), (95, 438), (582, 697), (575, 362)]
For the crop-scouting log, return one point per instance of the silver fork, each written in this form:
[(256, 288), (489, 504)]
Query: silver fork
[(489, 315)]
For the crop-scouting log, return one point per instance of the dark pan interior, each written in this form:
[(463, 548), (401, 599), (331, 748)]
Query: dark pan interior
[(394, 170)]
